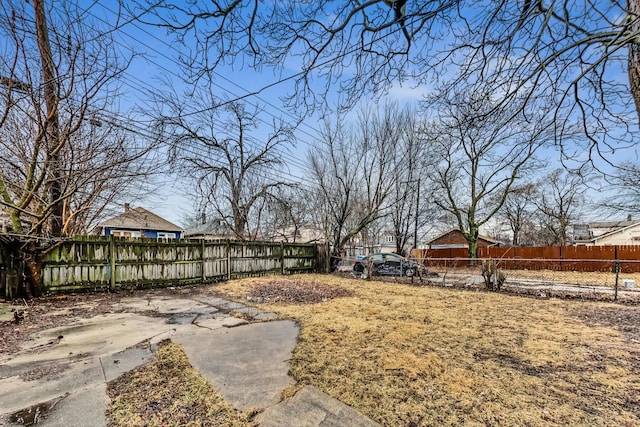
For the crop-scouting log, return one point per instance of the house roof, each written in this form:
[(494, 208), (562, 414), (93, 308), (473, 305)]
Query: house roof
[(216, 228), (453, 229), (140, 219), (612, 224), (631, 224)]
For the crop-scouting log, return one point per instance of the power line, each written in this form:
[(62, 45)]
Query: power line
[(193, 149), (140, 129), (237, 97)]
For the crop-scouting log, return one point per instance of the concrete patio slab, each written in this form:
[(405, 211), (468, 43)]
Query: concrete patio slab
[(248, 365), (311, 407)]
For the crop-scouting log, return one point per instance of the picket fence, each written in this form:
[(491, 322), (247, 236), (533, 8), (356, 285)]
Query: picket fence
[(92, 263)]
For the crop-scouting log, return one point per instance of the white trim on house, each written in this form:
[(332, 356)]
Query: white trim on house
[(629, 235)]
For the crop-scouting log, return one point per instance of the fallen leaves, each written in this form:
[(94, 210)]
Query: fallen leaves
[(293, 291)]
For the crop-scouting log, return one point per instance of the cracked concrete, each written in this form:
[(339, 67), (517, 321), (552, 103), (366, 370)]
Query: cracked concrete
[(61, 375)]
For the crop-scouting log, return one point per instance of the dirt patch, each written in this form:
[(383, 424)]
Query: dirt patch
[(624, 319), (289, 291)]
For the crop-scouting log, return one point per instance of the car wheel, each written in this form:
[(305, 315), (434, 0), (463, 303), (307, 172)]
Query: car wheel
[(410, 272)]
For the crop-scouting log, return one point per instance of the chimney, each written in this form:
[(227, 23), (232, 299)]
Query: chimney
[(203, 218), (629, 218), (127, 207)]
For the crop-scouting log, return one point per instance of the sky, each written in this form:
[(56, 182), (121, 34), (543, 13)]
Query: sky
[(156, 64), (153, 69)]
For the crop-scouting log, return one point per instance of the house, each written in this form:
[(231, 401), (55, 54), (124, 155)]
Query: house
[(216, 229), (604, 233), (138, 222), (453, 238)]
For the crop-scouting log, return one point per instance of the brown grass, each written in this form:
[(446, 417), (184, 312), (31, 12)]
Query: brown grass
[(169, 392), (406, 355), (591, 278)]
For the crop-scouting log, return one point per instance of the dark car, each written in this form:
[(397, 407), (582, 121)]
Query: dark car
[(389, 265)]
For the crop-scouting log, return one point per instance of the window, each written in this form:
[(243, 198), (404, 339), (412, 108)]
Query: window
[(126, 233), (164, 235), (393, 257)]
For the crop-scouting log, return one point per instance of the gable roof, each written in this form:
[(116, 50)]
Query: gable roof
[(631, 224), (612, 224), (457, 229), (140, 219), (213, 228)]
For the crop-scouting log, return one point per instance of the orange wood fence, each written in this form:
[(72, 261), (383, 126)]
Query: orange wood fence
[(558, 258)]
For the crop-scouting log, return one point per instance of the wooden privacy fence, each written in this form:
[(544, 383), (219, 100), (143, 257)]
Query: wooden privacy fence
[(558, 258), (112, 263)]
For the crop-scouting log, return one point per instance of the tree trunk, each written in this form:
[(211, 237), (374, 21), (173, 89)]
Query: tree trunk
[(27, 265), (52, 126), (473, 251), (336, 257), (633, 8), (472, 240)]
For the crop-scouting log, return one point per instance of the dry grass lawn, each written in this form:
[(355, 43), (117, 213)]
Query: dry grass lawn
[(592, 278), (408, 356), (169, 392)]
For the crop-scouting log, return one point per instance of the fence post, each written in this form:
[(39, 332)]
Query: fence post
[(322, 258), (228, 260), (560, 258), (202, 249), (617, 267), (282, 258), (112, 262)]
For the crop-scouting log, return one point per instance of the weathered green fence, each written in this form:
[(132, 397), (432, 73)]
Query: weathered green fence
[(9, 270), (90, 263)]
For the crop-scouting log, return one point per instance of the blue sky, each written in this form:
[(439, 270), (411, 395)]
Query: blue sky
[(157, 63)]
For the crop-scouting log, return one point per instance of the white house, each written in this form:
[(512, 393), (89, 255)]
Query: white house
[(606, 233)]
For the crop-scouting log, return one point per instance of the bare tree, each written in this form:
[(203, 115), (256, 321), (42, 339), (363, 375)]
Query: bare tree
[(571, 55), (106, 166), (483, 150), (57, 73), (287, 215), (557, 47), (518, 211), (369, 44), (622, 189), (229, 168), (559, 204), (352, 172), (409, 153)]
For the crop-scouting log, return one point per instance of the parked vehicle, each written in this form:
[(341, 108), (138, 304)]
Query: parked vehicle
[(388, 265)]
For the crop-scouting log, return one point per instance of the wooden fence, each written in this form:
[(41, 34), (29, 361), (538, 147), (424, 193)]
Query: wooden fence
[(92, 263), (9, 277), (557, 258)]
